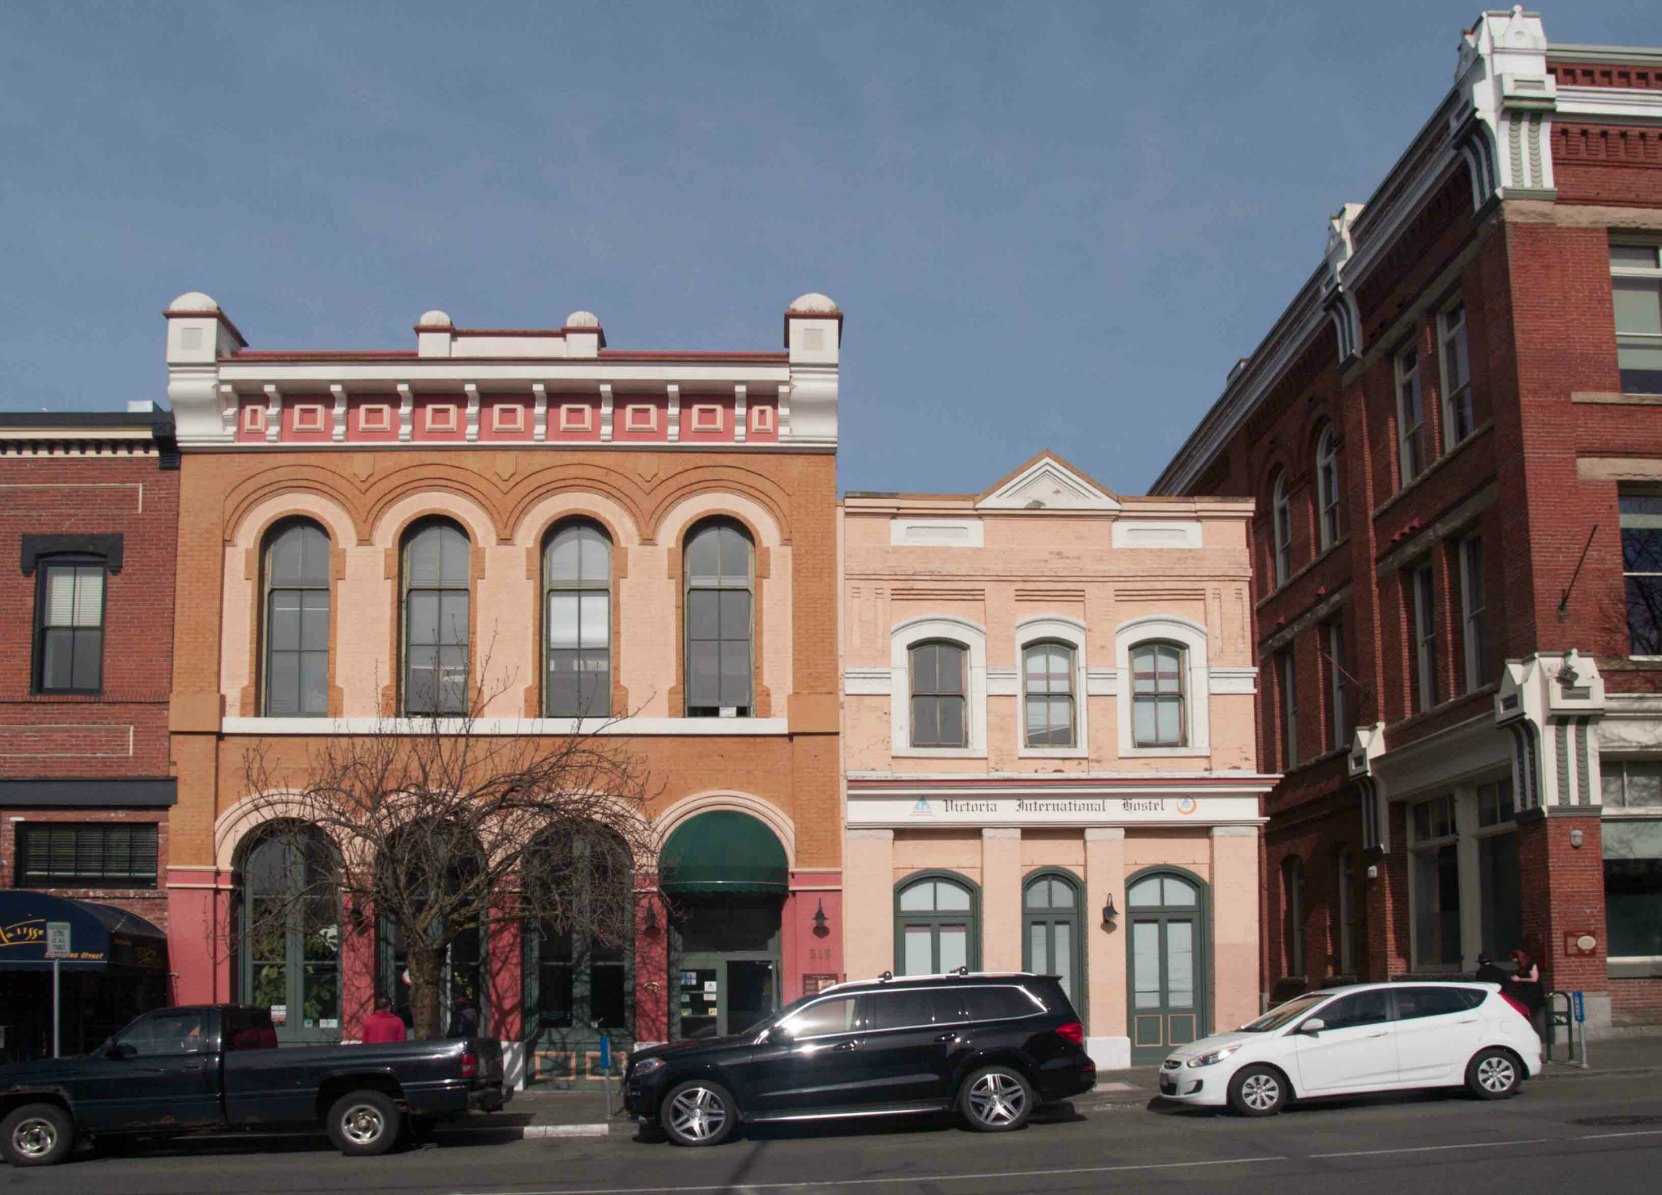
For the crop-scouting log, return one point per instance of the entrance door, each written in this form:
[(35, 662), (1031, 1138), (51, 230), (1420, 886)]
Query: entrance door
[(721, 995), (1168, 943)]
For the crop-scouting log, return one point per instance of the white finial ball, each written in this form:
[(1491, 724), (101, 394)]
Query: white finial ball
[(813, 301), (193, 300), (582, 319), (434, 319)]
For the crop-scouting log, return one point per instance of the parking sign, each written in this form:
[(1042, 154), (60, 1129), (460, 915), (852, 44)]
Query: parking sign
[(57, 939)]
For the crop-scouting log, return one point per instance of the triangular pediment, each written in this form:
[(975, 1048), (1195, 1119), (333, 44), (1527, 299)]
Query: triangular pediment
[(1047, 482)]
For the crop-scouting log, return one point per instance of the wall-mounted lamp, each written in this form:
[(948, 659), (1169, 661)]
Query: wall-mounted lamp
[(1575, 839), (1109, 912), (651, 917), (821, 928), (1373, 871)]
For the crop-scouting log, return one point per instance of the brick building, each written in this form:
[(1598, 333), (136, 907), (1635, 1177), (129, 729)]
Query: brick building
[(318, 482), (1049, 738), (89, 506), (1454, 436)]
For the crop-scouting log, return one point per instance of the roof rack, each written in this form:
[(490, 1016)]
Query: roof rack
[(957, 973)]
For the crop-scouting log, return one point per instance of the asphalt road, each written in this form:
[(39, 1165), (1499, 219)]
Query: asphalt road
[(1594, 1134)]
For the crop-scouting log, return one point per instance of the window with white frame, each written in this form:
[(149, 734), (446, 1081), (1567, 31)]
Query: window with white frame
[(1163, 664), (1422, 596), (1632, 836), (1329, 512), (1338, 684), (1458, 418), (1048, 695), (1641, 522), (1411, 454), (1286, 679), (577, 605), (1157, 695), (938, 687), (1281, 514), (1636, 282), (1474, 618), (1499, 879), (1434, 878)]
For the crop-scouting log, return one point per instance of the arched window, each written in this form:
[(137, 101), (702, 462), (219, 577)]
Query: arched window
[(426, 856), (1327, 486), (576, 972), (938, 688), (1047, 680), (288, 935), (436, 619), (296, 575), (720, 620), (1158, 716), (577, 617), (937, 928), (1051, 941), (1292, 915), (1282, 527)]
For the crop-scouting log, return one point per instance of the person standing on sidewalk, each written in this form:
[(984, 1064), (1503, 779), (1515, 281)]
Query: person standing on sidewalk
[(383, 1025), (1489, 971), (1525, 988)]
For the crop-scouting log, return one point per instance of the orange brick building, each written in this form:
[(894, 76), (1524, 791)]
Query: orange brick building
[(571, 503)]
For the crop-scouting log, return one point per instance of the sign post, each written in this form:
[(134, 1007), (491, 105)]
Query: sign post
[(606, 1070), (1580, 1014), (57, 946)]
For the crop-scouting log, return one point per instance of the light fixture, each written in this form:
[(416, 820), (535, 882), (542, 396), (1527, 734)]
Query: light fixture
[(651, 916), (1575, 839), (1109, 912), (821, 929)]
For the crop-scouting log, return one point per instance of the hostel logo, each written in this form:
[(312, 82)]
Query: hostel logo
[(1187, 805), (920, 808)]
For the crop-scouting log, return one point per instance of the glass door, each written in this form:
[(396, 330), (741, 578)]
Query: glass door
[(720, 995), (1167, 945)]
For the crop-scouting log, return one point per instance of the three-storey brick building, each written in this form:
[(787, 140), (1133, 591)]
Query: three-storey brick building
[(89, 506), (1454, 435)]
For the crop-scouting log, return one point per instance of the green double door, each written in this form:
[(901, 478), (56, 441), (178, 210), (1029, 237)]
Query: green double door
[(1169, 948)]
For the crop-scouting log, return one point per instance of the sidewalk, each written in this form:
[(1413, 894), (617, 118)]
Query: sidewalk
[(546, 1112)]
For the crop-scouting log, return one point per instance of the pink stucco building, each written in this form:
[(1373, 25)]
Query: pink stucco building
[(1048, 739)]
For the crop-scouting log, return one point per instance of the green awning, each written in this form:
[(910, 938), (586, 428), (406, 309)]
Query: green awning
[(723, 851)]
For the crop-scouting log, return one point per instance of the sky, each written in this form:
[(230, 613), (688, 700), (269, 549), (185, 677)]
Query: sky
[(1050, 225)]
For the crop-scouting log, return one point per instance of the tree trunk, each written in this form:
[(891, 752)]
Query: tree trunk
[(426, 971)]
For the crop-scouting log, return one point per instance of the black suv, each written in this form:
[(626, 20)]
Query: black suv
[(993, 1047)]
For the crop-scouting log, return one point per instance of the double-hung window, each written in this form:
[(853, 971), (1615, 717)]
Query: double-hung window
[(1338, 687), (1632, 836), (1157, 699), (1330, 512), (577, 574), (1282, 514), (1286, 680), (720, 617), (1047, 677), (1474, 618), (1458, 418), (1411, 454), (1637, 284), (1422, 596), (939, 672), (297, 621), (69, 626), (1641, 520), (436, 619)]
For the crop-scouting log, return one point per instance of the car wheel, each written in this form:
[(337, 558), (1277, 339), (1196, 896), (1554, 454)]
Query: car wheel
[(1258, 1091), (1493, 1075), (37, 1135), (364, 1124), (698, 1112), (996, 1099)]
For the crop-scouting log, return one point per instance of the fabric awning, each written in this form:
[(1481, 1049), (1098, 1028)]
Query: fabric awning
[(723, 851), (101, 937)]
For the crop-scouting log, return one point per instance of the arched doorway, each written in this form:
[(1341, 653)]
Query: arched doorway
[(1052, 941), (434, 857), (725, 876), (1169, 961), (288, 930)]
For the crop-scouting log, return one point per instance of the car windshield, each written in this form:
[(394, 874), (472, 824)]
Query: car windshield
[(1280, 1015)]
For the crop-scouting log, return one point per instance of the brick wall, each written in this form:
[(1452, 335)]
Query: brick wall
[(149, 903)]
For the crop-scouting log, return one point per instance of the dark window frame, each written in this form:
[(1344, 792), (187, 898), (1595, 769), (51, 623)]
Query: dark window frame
[(269, 591), (25, 876), (721, 583), (583, 588), (938, 694), (441, 586), (45, 567)]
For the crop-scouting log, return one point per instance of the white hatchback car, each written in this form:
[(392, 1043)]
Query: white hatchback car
[(1370, 1037)]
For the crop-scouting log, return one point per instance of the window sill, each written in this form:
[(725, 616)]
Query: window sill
[(1052, 752), (939, 752), (1635, 968), (1299, 573), (1432, 469), (1162, 752), (1615, 398)]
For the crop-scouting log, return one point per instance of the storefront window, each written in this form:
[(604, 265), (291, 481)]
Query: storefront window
[(1435, 870), (938, 930), (1498, 877), (575, 977), (289, 932), (1632, 834)]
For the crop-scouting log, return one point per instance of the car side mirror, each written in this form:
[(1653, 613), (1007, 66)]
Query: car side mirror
[(780, 1035), (120, 1051), (1313, 1026)]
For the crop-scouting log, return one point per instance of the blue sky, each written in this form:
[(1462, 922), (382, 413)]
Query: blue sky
[(1050, 225)]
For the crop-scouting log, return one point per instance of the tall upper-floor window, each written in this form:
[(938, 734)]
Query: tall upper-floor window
[(1292, 915), (939, 672), (1047, 680), (720, 630), (1641, 519), (577, 622), (1637, 282), (436, 619), (1411, 454), (296, 575), (69, 626), (1286, 677), (1474, 615), (1338, 682), (1281, 515), (1330, 513), (1458, 417), (1422, 598), (1158, 714)]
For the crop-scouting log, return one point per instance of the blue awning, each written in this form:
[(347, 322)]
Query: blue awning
[(101, 937)]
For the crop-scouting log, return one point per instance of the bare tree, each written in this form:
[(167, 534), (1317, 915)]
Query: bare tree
[(441, 825)]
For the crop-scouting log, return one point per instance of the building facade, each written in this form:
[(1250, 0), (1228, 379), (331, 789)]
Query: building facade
[(647, 536), (89, 506), (1454, 438), (1049, 742)]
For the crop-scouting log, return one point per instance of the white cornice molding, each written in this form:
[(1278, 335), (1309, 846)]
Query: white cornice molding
[(1626, 104)]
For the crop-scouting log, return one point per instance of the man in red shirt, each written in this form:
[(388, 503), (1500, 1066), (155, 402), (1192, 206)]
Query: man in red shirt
[(383, 1024)]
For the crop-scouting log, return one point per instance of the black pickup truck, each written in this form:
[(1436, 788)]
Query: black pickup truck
[(217, 1066)]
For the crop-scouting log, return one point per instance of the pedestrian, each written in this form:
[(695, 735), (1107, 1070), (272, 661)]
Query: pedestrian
[(383, 1025), (464, 1017), (1489, 971), (1525, 987)]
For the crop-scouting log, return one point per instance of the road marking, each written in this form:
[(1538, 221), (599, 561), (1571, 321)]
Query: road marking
[(1422, 1149), (1632, 1133), (828, 1183)]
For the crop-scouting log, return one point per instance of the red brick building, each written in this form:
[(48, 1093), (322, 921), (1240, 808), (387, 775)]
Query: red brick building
[(89, 509), (1454, 434)]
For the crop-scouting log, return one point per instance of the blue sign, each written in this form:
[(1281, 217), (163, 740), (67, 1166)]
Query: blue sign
[(606, 1053), (1580, 1009)]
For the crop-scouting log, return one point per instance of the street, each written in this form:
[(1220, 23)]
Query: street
[(1563, 1133)]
